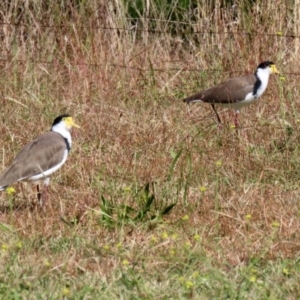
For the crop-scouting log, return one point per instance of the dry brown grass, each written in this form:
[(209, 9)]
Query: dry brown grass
[(124, 88)]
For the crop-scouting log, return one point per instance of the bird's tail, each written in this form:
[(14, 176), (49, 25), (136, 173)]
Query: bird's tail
[(192, 99), (187, 100)]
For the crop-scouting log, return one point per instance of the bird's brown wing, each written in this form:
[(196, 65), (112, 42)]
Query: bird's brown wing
[(229, 91), (43, 153)]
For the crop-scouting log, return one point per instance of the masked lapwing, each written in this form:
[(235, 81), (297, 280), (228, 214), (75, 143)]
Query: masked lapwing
[(237, 92), (42, 157)]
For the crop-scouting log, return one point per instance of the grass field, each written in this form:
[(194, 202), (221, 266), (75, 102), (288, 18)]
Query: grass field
[(155, 201)]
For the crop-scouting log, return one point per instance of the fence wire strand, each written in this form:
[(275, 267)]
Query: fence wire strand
[(134, 28)]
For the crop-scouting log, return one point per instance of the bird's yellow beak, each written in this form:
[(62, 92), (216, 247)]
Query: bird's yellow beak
[(71, 123), (274, 69)]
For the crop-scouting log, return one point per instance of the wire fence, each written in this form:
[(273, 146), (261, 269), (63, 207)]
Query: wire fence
[(134, 28), (159, 70)]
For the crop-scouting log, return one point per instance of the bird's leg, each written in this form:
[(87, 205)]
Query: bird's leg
[(214, 108), (236, 123), (45, 195), (39, 195), (45, 189)]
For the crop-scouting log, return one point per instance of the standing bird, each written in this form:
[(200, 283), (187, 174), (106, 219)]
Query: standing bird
[(238, 91), (41, 157)]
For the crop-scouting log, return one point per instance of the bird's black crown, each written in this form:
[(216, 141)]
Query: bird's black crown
[(59, 118), (265, 64)]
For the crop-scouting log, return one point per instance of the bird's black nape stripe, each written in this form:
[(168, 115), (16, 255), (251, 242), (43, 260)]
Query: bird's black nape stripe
[(256, 85), (67, 144), (59, 118)]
